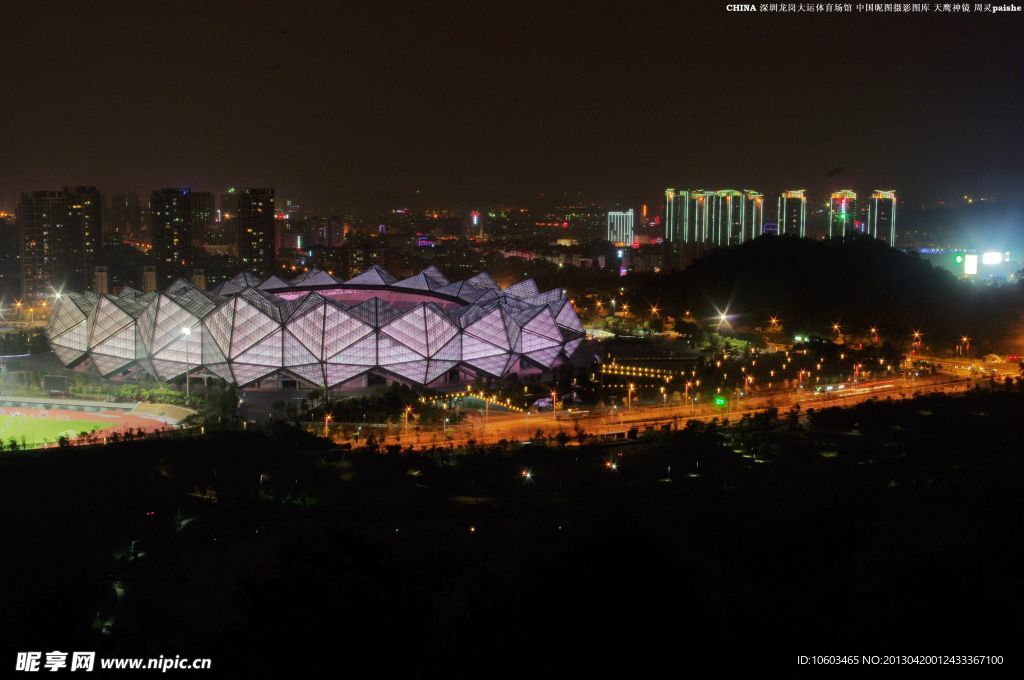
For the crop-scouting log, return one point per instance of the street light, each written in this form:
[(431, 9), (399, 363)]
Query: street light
[(187, 332), (629, 398)]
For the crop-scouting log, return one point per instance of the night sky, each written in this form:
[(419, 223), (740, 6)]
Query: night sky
[(505, 98)]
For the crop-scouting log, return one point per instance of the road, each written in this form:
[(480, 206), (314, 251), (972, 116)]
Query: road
[(972, 367), (519, 426)]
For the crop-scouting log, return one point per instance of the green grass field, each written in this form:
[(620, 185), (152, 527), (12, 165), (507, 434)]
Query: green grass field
[(38, 431)]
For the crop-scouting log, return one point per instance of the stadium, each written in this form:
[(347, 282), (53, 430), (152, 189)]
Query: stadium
[(319, 330)]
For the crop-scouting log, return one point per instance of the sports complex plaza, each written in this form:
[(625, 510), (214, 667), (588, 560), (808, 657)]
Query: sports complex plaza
[(316, 330)]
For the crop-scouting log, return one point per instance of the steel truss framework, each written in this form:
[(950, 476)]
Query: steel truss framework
[(320, 329)]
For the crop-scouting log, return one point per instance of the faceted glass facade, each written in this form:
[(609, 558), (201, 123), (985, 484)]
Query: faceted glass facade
[(320, 329)]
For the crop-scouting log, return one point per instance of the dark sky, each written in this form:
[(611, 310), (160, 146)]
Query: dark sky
[(320, 99)]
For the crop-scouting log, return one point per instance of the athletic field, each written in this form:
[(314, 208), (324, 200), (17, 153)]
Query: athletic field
[(37, 431), (42, 427)]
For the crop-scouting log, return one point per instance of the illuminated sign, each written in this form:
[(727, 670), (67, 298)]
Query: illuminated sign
[(721, 401), (991, 258), (970, 265)]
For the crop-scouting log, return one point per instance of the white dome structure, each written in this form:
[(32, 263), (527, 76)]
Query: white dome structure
[(320, 329)]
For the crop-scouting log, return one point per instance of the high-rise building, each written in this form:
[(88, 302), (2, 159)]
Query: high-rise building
[(203, 213), (84, 237), (882, 216), (792, 212), (229, 204), (697, 220), (701, 204), (256, 231), (43, 243), (677, 216), (753, 214), (736, 216), (126, 216), (687, 225), (842, 213), (10, 257), (171, 220), (726, 217), (620, 227)]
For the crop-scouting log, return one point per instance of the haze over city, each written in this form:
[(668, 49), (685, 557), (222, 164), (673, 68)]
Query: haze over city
[(327, 101)]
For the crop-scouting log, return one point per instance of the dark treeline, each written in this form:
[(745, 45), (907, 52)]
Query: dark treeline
[(890, 528), (860, 283)]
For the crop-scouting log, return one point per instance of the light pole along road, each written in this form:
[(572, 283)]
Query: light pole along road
[(510, 426)]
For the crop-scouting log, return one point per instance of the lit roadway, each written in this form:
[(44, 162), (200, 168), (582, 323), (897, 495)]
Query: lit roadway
[(497, 426), (972, 367)]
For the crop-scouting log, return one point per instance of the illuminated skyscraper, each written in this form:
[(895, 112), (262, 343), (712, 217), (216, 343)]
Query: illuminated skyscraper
[(687, 225), (60, 239), (677, 221), (792, 213), (171, 218), (256, 231), (677, 216), (41, 224), (753, 213), (736, 216), (10, 257), (700, 215), (84, 238), (842, 212), (726, 217), (697, 220), (882, 216), (620, 227), (201, 206)]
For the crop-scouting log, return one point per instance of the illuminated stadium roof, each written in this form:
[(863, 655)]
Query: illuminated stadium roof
[(320, 329)]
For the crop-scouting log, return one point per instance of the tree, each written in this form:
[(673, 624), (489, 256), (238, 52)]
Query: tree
[(793, 419)]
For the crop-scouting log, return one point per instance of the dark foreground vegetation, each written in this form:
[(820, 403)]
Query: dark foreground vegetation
[(890, 528)]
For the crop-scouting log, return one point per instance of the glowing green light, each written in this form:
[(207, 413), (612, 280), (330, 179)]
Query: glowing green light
[(959, 259), (721, 401)]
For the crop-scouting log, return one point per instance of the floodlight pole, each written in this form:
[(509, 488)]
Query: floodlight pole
[(187, 332)]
